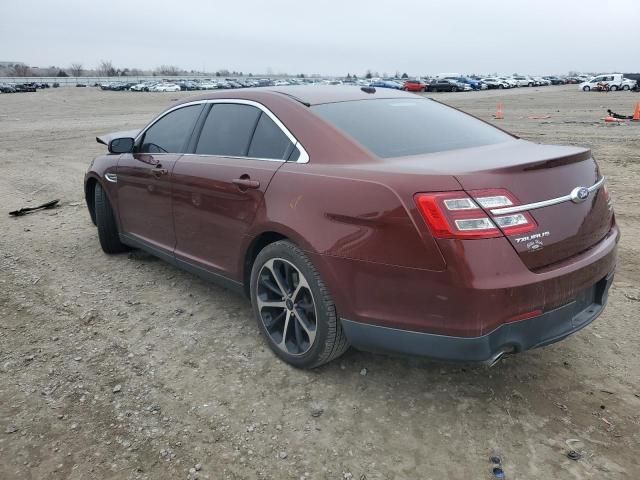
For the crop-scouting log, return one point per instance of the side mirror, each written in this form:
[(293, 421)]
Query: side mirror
[(121, 145)]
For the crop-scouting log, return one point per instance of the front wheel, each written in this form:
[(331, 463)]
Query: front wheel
[(625, 87), (613, 88), (454, 89), (293, 307), (586, 88)]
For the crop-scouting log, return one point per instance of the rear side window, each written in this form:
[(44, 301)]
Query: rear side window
[(269, 141), (227, 130), (171, 133), (400, 127)]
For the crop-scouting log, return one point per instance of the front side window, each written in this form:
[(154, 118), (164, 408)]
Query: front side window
[(400, 127), (228, 129), (171, 133)]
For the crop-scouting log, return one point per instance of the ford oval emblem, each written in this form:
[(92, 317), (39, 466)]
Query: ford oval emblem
[(579, 194)]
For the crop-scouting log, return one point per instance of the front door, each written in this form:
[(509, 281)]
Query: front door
[(220, 187), (144, 179)]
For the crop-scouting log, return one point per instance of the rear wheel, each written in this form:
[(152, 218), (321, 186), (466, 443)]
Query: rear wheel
[(106, 222), (625, 87), (586, 88), (293, 307), (613, 88)]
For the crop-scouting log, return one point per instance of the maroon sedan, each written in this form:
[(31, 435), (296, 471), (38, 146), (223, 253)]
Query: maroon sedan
[(373, 218)]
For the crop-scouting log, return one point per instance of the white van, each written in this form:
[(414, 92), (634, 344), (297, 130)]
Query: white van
[(614, 80)]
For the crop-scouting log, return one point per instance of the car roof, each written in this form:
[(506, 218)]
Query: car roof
[(309, 94)]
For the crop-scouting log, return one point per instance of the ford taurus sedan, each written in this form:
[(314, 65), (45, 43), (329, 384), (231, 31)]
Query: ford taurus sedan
[(372, 218)]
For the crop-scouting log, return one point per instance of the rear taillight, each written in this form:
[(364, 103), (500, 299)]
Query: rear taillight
[(460, 215)]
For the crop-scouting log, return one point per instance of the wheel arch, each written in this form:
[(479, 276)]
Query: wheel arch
[(269, 234), (91, 180), (89, 195)]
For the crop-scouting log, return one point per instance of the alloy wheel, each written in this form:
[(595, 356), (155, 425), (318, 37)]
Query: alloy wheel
[(286, 306)]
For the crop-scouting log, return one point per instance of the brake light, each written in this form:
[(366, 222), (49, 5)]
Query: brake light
[(455, 215), (460, 215)]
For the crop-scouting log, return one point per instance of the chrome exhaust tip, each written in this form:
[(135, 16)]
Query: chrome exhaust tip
[(496, 357)]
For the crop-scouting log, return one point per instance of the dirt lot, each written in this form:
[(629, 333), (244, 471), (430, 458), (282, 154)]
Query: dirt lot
[(125, 367)]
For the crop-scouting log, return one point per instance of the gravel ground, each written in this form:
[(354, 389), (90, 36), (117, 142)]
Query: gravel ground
[(125, 367)]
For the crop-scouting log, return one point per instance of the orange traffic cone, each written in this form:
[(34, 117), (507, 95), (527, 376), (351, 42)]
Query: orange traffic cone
[(636, 113), (499, 114)]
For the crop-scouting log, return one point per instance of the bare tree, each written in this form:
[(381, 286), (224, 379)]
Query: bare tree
[(169, 70), (21, 70), (106, 69), (76, 69)]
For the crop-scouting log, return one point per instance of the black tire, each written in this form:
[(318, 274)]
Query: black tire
[(613, 88), (586, 88), (500, 86), (454, 89), (106, 222), (330, 340), (625, 87), (433, 89)]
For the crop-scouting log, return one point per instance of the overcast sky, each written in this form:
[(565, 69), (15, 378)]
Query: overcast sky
[(327, 37)]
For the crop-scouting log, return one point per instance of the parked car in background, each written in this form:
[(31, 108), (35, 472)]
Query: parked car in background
[(447, 85), (187, 85), (414, 227), (628, 84), (494, 82), (415, 86), (25, 87), (473, 84), (6, 88), (140, 87), (523, 81), (612, 80), (555, 80), (164, 87), (510, 81), (386, 84), (542, 82)]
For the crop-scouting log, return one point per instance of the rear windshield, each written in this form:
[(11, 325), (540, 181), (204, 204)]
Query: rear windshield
[(399, 127)]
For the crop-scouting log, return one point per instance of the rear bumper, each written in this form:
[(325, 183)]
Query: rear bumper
[(545, 329)]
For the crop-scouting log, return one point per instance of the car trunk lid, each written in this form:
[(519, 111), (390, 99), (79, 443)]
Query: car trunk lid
[(538, 173)]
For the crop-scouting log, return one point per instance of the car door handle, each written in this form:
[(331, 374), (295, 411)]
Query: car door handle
[(245, 182), (157, 172)]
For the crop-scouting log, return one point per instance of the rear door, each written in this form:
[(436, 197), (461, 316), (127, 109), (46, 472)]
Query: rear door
[(144, 178), (220, 186)]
